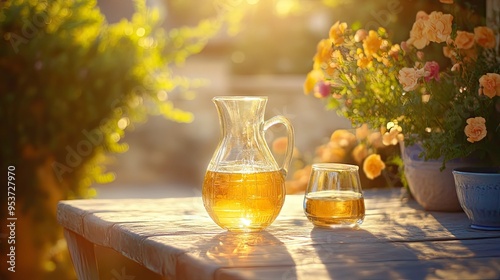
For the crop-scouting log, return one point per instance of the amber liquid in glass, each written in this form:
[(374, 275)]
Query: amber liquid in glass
[(335, 208), (243, 202)]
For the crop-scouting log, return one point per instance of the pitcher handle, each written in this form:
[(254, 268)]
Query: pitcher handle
[(289, 148)]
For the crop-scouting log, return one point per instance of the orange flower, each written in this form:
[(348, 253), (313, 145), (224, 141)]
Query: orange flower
[(323, 52), (446, 1), (280, 145), (373, 165), (343, 138), (408, 78), (449, 53), (422, 15), (362, 132), (359, 153), (417, 38), (372, 43), (394, 51), (331, 153), (337, 32), (438, 27), (464, 40), (489, 85), (363, 61), (375, 140), (475, 130), (485, 37)]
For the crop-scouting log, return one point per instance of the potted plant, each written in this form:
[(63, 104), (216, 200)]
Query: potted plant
[(71, 84), (447, 102)]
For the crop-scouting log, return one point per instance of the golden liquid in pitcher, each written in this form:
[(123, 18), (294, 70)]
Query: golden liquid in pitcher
[(335, 208), (243, 202)]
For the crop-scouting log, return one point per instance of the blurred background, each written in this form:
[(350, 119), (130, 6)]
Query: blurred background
[(101, 102), (269, 52)]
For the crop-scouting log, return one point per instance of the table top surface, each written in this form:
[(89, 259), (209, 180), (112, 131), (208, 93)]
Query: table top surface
[(176, 238)]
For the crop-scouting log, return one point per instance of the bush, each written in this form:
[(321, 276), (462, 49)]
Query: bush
[(70, 86)]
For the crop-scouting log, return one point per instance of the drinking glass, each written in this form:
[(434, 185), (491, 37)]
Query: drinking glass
[(334, 197)]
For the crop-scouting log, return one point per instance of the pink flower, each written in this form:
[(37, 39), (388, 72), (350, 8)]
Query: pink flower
[(431, 71), (322, 89), (404, 46), (360, 35), (313, 77), (475, 130), (489, 85)]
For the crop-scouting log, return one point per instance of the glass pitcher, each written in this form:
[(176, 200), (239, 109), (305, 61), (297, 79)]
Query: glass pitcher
[(244, 187)]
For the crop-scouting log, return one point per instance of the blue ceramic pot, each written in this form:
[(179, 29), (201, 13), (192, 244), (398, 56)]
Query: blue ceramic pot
[(478, 191)]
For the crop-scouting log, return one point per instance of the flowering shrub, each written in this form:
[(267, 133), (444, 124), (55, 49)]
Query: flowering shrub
[(363, 147), (450, 105)]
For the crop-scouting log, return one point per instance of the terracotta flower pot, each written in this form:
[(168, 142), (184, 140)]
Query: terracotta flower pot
[(433, 189)]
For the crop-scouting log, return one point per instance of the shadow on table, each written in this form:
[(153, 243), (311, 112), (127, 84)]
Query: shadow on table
[(246, 252), (358, 254), (443, 244)]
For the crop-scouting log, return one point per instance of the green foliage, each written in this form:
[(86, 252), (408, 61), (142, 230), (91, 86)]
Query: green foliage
[(368, 79), (67, 70), (70, 86)]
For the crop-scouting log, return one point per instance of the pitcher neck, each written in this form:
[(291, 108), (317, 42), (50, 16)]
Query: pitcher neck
[(240, 115)]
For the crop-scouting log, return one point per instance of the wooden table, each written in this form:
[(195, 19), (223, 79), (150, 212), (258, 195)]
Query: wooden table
[(175, 238)]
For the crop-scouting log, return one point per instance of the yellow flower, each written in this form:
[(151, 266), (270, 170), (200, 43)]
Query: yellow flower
[(372, 43), (312, 78), (475, 130), (363, 61), (373, 166), (323, 52), (332, 65), (337, 32)]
